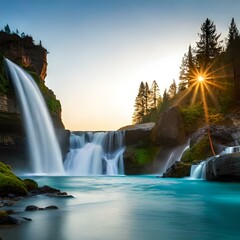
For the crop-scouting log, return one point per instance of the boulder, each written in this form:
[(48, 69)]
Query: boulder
[(139, 134), (222, 135), (178, 170), (224, 167), (169, 129)]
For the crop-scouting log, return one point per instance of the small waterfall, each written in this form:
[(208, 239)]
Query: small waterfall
[(168, 156), (45, 155), (198, 171), (99, 153)]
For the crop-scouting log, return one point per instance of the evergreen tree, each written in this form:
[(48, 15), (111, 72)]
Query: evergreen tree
[(209, 46), (172, 90), (166, 97), (146, 99), (139, 105), (7, 29), (154, 96), (183, 75), (186, 70), (233, 35)]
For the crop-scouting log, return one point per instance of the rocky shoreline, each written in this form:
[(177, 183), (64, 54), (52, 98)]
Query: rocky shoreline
[(7, 216)]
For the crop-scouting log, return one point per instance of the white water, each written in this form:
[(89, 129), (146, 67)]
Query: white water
[(168, 156), (99, 153), (45, 155), (198, 171)]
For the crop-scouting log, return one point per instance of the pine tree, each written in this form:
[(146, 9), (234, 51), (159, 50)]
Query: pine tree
[(7, 29), (233, 35), (146, 99), (209, 46), (183, 75), (139, 111), (172, 90), (186, 70), (154, 96)]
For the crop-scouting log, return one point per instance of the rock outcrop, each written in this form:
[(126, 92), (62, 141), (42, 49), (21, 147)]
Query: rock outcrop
[(24, 52), (169, 129), (221, 135), (224, 167), (139, 134)]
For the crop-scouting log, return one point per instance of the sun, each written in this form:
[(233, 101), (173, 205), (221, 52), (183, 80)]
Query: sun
[(200, 78)]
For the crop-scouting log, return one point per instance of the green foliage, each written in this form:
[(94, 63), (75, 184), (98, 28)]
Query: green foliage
[(199, 151), (191, 116), (9, 183), (4, 83), (53, 104)]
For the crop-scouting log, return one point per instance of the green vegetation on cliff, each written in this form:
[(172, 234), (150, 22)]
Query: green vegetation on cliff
[(53, 104), (4, 83)]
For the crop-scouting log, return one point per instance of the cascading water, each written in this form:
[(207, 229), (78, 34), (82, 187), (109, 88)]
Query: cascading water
[(99, 153), (198, 171), (43, 147), (168, 156)]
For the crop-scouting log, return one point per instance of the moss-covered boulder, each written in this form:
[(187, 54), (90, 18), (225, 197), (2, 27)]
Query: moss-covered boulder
[(138, 160), (199, 151), (10, 183), (30, 184)]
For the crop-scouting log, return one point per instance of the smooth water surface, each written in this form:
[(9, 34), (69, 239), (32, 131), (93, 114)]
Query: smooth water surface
[(132, 208)]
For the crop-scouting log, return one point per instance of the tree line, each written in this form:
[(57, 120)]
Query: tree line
[(149, 101), (209, 54)]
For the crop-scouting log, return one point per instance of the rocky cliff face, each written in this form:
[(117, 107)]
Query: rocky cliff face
[(24, 52), (33, 58)]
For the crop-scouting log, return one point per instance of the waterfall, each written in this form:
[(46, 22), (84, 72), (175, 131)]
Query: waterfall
[(168, 156), (198, 171), (45, 155), (99, 153)]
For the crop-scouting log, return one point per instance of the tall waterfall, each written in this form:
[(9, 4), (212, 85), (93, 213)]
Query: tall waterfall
[(45, 155), (99, 153)]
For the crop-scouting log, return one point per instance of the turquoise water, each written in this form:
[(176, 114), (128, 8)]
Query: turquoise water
[(132, 208)]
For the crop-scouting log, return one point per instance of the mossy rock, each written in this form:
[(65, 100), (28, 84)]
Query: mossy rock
[(30, 184), (137, 159), (10, 183), (199, 151)]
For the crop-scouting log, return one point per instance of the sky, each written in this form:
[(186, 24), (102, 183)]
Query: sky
[(100, 50)]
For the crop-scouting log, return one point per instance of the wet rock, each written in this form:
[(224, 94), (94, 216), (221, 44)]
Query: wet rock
[(51, 207), (46, 189), (10, 220), (31, 208), (59, 195), (178, 170), (223, 168)]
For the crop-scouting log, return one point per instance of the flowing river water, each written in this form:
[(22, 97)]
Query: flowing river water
[(131, 208)]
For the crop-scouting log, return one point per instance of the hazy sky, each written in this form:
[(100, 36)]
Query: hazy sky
[(100, 50)]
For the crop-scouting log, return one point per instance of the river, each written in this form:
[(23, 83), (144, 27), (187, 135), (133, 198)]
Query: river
[(131, 208)]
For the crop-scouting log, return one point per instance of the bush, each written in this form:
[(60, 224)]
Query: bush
[(192, 117)]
